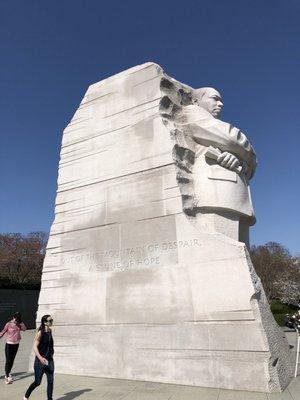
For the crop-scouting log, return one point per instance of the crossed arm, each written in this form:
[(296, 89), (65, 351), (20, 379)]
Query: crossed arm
[(235, 148), (228, 160)]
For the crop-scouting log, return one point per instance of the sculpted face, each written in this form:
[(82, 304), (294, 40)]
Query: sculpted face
[(210, 99)]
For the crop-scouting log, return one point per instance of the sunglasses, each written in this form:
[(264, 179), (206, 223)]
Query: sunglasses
[(49, 320)]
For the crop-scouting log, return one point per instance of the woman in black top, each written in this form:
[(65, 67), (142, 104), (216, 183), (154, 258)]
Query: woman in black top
[(43, 347)]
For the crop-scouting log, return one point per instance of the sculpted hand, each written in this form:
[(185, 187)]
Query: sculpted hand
[(228, 160)]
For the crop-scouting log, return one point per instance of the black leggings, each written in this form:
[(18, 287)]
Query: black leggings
[(39, 371), (10, 354)]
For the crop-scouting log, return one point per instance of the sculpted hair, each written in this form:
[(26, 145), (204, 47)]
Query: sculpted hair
[(199, 93)]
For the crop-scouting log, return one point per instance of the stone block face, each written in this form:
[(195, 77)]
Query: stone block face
[(136, 289)]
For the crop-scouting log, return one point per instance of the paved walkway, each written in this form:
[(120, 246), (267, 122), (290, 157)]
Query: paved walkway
[(69, 387)]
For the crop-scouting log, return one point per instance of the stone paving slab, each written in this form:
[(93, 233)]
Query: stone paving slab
[(70, 387)]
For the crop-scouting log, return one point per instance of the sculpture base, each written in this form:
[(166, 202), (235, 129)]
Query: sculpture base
[(192, 313)]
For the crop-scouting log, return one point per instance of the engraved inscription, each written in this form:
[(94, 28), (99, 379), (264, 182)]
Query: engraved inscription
[(127, 258)]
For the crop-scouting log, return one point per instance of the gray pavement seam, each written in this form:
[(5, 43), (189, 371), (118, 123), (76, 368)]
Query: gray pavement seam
[(290, 394)]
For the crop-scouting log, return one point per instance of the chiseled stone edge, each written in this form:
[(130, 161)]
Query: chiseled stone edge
[(280, 366)]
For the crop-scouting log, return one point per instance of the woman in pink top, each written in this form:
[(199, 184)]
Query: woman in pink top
[(12, 329)]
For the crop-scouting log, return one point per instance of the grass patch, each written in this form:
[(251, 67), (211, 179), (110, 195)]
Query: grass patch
[(279, 310)]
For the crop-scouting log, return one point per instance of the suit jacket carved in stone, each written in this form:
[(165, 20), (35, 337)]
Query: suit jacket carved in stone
[(204, 184)]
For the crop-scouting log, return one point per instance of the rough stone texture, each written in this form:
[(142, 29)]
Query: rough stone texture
[(136, 289)]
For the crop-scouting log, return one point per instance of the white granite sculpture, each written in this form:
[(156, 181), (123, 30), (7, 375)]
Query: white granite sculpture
[(215, 160), (144, 273)]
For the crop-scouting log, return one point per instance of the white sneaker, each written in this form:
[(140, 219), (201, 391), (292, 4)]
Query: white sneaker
[(10, 378), (7, 380)]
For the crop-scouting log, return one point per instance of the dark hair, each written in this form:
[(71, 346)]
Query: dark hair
[(43, 320), (18, 317)]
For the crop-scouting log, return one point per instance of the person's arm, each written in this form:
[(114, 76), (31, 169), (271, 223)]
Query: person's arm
[(36, 343), (23, 326), (4, 330)]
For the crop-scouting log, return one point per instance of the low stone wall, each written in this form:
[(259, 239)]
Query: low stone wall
[(25, 301)]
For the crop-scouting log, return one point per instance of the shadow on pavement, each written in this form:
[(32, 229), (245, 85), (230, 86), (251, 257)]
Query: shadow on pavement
[(26, 375), (73, 395), (19, 375)]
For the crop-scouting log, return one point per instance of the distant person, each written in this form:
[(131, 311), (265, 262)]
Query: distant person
[(12, 329), (43, 347), (296, 321), (288, 321)]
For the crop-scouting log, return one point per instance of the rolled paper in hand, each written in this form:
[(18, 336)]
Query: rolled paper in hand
[(214, 152)]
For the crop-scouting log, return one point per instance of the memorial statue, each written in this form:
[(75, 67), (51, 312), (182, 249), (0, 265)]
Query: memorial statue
[(146, 252), (215, 160)]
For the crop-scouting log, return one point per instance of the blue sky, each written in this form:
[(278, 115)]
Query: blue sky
[(52, 50)]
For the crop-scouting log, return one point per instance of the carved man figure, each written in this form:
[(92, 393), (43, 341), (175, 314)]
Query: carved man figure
[(224, 163)]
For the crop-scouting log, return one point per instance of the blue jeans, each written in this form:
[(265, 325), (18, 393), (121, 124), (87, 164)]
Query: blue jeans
[(39, 371)]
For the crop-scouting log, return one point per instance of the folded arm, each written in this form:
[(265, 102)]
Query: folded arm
[(208, 131)]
